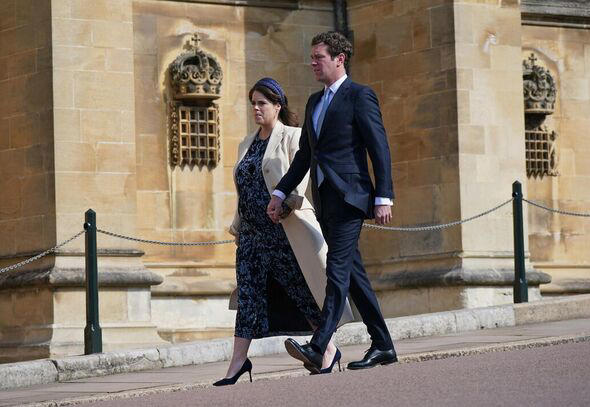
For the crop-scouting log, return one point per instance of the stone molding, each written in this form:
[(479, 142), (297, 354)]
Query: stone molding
[(64, 277), (456, 277), (566, 13), (193, 116), (288, 4), (196, 74)]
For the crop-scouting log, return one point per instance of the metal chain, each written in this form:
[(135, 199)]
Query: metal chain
[(538, 205), (436, 227), (211, 243), (367, 225), (37, 257)]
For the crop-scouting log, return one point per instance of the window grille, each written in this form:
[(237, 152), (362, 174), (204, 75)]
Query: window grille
[(198, 131)]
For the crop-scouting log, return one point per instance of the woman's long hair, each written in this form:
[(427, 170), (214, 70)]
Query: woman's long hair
[(286, 115)]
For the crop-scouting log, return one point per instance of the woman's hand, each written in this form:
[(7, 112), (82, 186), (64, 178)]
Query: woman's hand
[(274, 208)]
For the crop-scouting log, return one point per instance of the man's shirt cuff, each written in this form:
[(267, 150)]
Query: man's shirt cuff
[(382, 201), (280, 194)]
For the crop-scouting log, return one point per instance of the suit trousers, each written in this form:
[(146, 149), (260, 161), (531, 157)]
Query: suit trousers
[(341, 225)]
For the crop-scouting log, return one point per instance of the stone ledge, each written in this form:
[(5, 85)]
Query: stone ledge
[(102, 364), (457, 277), (176, 286), (24, 374), (75, 277), (577, 8), (563, 286), (559, 13), (573, 307)]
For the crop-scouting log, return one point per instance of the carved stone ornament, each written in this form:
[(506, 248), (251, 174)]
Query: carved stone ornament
[(196, 74), (193, 116), (539, 101), (539, 87)]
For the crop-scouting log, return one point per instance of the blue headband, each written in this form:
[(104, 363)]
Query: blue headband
[(274, 86)]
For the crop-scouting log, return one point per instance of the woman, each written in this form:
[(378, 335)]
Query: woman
[(280, 268)]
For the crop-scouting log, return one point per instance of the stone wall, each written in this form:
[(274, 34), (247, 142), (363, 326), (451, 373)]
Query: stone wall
[(94, 117), (404, 50), (491, 122), (449, 78), (68, 144), (27, 205), (558, 243)]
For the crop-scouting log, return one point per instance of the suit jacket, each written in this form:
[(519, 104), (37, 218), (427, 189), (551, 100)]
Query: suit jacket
[(352, 127), (301, 226)]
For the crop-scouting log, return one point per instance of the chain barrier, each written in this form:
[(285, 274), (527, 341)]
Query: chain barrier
[(562, 212), (45, 253), (436, 227), (366, 225), (135, 239)]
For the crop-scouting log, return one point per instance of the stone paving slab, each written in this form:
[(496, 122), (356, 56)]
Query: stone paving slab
[(281, 365)]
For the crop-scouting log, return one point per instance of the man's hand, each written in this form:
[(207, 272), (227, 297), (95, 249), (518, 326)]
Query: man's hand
[(382, 214), (274, 208)]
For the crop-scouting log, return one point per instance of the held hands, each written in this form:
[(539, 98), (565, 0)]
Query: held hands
[(274, 208), (382, 214)]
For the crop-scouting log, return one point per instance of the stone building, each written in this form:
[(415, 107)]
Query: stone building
[(135, 108)]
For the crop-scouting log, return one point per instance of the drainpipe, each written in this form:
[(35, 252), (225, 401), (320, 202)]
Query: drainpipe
[(341, 21), (341, 18)]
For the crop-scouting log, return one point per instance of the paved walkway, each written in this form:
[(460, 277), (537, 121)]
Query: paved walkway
[(265, 367)]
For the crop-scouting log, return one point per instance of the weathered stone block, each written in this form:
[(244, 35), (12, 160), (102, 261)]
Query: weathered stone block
[(75, 157), (100, 364), (63, 89), (7, 15), (113, 10), (286, 44), (22, 64), (442, 25), (78, 58), (98, 126), (24, 374), (17, 40), (67, 125), (24, 130), (98, 90), (119, 60), (112, 34), (72, 32), (35, 194), (394, 36)]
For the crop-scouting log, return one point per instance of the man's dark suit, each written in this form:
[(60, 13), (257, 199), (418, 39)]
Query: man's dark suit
[(352, 126)]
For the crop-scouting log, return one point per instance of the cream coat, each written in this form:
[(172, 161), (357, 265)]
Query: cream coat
[(301, 226)]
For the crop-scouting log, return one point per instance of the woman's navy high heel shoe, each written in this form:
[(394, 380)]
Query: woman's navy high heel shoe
[(246, 367), (337, 357)]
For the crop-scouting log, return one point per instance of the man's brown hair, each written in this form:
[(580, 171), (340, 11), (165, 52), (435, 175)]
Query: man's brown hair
[(337, 44)]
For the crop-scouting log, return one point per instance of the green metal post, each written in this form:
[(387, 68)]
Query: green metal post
[(92, 332), (520, 284)]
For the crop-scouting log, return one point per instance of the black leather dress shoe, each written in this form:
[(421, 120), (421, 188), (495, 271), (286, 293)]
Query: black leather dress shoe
[(374, 357), (305, 353)]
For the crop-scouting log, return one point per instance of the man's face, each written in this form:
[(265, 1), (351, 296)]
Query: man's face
[(326, 69)]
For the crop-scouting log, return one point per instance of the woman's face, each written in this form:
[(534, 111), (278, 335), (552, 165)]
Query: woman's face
[(265, 112)]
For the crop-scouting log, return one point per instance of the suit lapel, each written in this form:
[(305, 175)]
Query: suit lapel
[(276, 136), (336, 100)]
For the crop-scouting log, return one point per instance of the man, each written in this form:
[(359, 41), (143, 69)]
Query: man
[(342, 123)]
